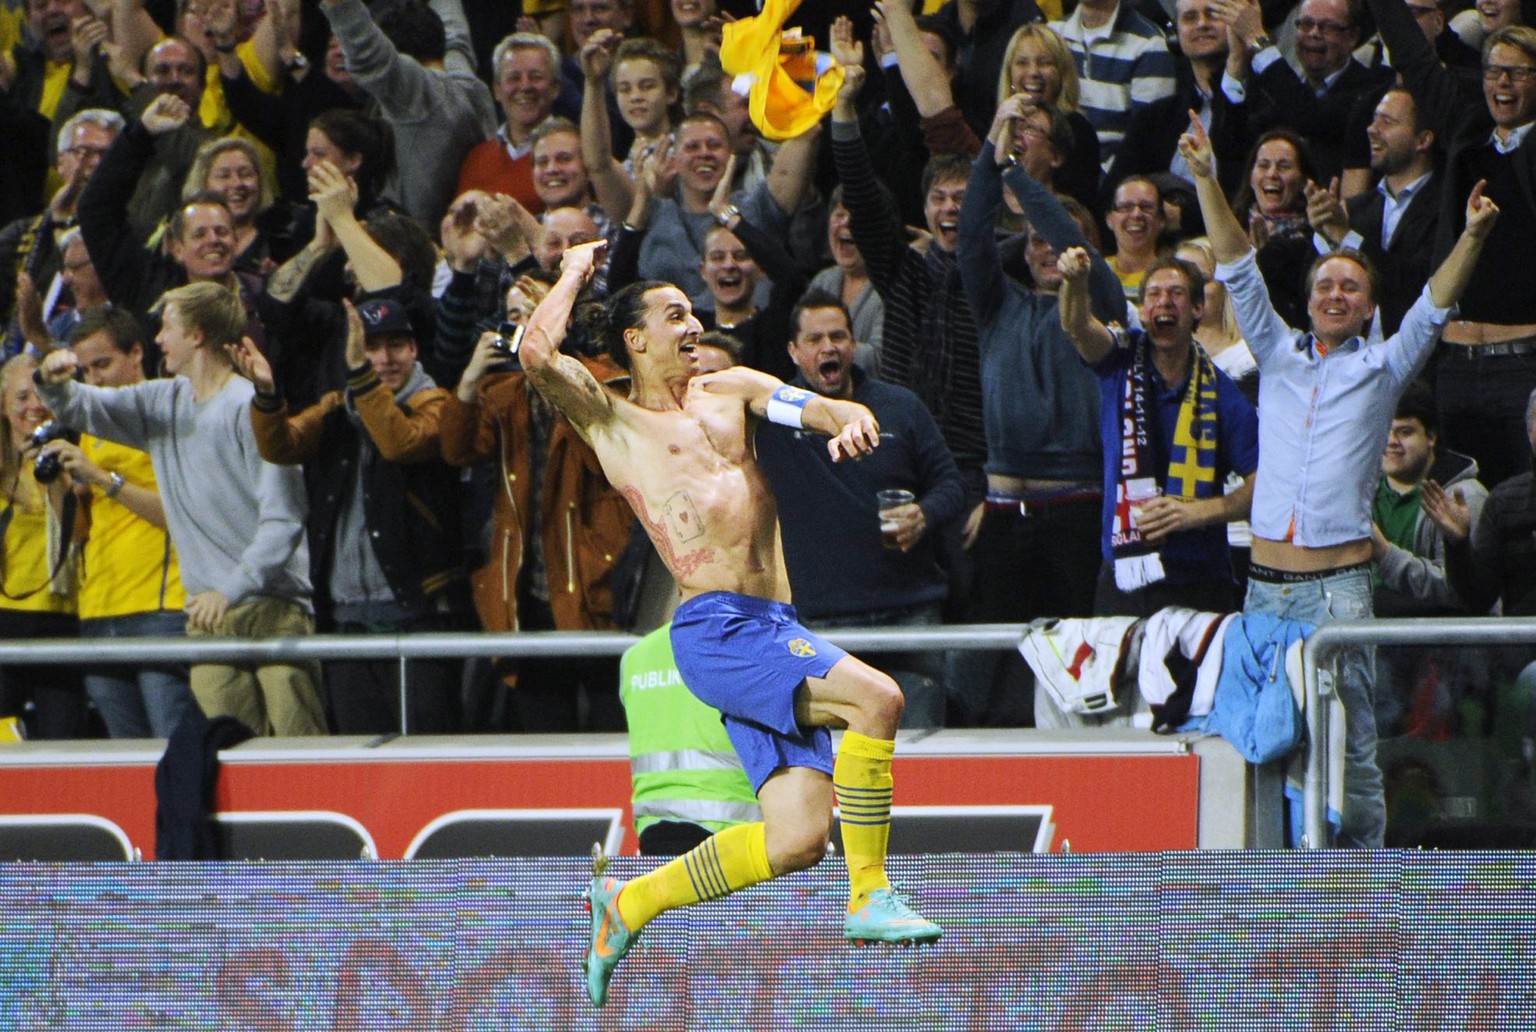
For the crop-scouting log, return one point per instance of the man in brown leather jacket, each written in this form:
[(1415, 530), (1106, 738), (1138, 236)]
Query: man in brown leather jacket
[(557, 529)]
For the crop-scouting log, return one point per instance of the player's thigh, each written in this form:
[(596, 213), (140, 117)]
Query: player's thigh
[(850, 687)]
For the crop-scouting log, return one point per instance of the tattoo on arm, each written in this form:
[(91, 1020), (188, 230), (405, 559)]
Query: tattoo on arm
[(681, 519), (291, 274)]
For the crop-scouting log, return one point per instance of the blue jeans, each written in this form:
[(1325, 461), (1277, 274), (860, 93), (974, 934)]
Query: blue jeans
[(1342, 596), (143, 702)]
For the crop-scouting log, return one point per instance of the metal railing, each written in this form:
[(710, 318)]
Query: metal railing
[(405, 647), (1317, 650), (1328, 639)]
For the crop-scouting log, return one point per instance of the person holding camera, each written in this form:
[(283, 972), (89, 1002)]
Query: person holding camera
[(38, 594), (551, 555), (384, 528), (130, 584)]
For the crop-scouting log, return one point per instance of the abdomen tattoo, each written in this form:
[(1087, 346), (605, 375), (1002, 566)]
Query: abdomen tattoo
[(679, 525)]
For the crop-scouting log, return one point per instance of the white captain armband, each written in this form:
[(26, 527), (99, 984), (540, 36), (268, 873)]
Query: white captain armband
[(786, 406)]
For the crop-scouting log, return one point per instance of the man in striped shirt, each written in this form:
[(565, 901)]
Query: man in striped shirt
[(1123, 64)]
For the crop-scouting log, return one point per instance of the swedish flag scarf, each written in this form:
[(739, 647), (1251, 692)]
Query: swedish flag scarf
[(1189, 470)]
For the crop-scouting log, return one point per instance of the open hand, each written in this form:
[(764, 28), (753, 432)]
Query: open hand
[(1449, 510), (205, 610), (252, 364), (1326, 212)]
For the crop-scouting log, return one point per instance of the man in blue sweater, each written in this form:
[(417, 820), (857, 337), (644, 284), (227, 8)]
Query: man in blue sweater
[(841, 573)]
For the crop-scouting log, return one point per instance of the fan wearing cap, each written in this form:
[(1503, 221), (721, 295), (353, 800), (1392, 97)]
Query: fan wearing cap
[(383, 522)]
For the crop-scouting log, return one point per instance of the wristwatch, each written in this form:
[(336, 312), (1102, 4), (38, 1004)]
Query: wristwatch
[(117, 485), (298, 63), (1261, 42), (729, 212)]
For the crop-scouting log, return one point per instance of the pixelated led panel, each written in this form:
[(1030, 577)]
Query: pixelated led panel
[(1187, 941)]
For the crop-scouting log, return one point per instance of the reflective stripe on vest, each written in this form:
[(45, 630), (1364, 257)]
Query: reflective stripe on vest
[(699, 810), (683, 759)]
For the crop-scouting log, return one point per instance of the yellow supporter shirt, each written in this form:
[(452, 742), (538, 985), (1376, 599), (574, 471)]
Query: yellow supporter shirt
[(215, 112), (130, 565), (27, 554)]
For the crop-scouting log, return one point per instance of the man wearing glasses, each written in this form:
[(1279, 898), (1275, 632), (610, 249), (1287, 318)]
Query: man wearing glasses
[(1319, 103), (1487, 355)]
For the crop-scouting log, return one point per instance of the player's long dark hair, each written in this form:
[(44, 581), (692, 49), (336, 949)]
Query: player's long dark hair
[(624, 311)]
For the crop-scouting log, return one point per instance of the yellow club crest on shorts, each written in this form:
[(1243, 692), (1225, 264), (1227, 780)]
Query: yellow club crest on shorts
[(802, 648)]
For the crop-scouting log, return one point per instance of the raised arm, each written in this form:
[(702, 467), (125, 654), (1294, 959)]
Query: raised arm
[(563, 381), (335, 196), (790, 176), (925, 79), (1090, 337), (853, 429), (1229, 241), (612, 185)]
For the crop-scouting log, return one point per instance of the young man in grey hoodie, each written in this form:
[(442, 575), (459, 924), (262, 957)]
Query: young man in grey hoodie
[(237, 522)]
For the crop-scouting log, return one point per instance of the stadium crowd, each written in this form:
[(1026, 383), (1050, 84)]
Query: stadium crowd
[(265, 263)]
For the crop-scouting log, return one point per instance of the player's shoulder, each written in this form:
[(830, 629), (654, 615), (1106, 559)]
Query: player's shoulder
[(739, 379)]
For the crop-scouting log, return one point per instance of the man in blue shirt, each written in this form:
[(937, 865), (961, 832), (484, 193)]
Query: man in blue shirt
[(1173, 426), (1327, 397)]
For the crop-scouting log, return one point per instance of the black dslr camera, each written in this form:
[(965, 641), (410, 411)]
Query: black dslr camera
[(47, 467)]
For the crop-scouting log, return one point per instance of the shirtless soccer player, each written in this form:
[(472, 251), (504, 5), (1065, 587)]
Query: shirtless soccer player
[(680, 449)]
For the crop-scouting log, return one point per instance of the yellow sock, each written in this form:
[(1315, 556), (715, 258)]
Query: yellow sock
[(726, 861), (861, 776)]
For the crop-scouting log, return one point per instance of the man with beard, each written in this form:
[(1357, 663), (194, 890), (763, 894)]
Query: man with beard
[(1395, 225), (679, 448), (843, 574), (1484, 370)]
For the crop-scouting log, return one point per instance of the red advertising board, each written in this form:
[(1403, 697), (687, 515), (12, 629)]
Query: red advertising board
[(1099, 798)]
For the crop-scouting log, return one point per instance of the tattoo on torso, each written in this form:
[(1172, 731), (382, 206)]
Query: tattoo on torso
[(680, 524)]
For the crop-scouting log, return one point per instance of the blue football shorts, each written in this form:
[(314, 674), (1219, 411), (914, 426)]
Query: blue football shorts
[(747, 657)]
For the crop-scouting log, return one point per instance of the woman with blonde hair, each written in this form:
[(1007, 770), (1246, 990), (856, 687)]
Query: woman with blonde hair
[(232, 167), (1039, 65), (1218, 333), (37, 563)]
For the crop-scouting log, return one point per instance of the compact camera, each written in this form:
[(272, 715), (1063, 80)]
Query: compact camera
[(47, 467), (508, 337)]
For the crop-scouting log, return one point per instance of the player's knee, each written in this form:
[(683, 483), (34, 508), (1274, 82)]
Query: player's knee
[(802, 852), (881, 698)]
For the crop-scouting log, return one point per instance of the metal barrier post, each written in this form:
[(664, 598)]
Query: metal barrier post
[(1450, 630)]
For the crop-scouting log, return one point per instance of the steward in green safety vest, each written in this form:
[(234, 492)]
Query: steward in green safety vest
[(688, 780)]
